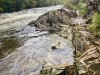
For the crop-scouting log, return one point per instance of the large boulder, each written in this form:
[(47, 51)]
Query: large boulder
[(53, 19)]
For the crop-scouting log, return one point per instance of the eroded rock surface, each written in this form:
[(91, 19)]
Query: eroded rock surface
[(37, 52), (52, 20), (87, 46)]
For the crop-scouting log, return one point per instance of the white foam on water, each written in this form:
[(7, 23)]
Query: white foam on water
[(21, 18)]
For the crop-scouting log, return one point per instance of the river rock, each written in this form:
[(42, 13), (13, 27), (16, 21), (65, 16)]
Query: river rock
[(53, 19)]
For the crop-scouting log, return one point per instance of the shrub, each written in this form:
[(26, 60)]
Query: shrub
[(95, 27), (1, 10)]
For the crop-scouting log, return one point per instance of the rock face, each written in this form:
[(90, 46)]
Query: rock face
[(53, 19), (92, 5), (91, 57), (87, 45), (87, 48)]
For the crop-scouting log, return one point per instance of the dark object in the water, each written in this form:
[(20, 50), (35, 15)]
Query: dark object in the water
[(54, 47)]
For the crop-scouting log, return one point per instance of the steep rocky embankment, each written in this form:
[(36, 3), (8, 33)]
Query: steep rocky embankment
[(87, 45)]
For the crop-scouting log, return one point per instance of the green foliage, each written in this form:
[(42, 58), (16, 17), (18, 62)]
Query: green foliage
[(95, 27), (16, 5), (81, 7), (42, 3), (83, 1), (1, 10), (76, 5)]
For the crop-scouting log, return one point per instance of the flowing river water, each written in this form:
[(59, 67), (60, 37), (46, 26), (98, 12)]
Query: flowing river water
[(24, 51)]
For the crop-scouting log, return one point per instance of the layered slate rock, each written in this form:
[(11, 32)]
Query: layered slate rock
[(91, 57), (87, 46), (53, 19)]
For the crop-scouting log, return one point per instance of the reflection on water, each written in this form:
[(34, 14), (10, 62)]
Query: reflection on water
[(8, 44)]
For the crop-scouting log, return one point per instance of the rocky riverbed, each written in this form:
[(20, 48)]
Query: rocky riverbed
[(58, 43)]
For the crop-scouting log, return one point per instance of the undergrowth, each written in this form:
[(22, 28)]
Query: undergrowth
[(95, 27)]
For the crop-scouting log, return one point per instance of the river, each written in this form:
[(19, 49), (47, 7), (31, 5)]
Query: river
[(24, 51)]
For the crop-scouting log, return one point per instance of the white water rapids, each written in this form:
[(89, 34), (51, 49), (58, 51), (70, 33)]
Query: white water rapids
[(15, 19), (35, 50)]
